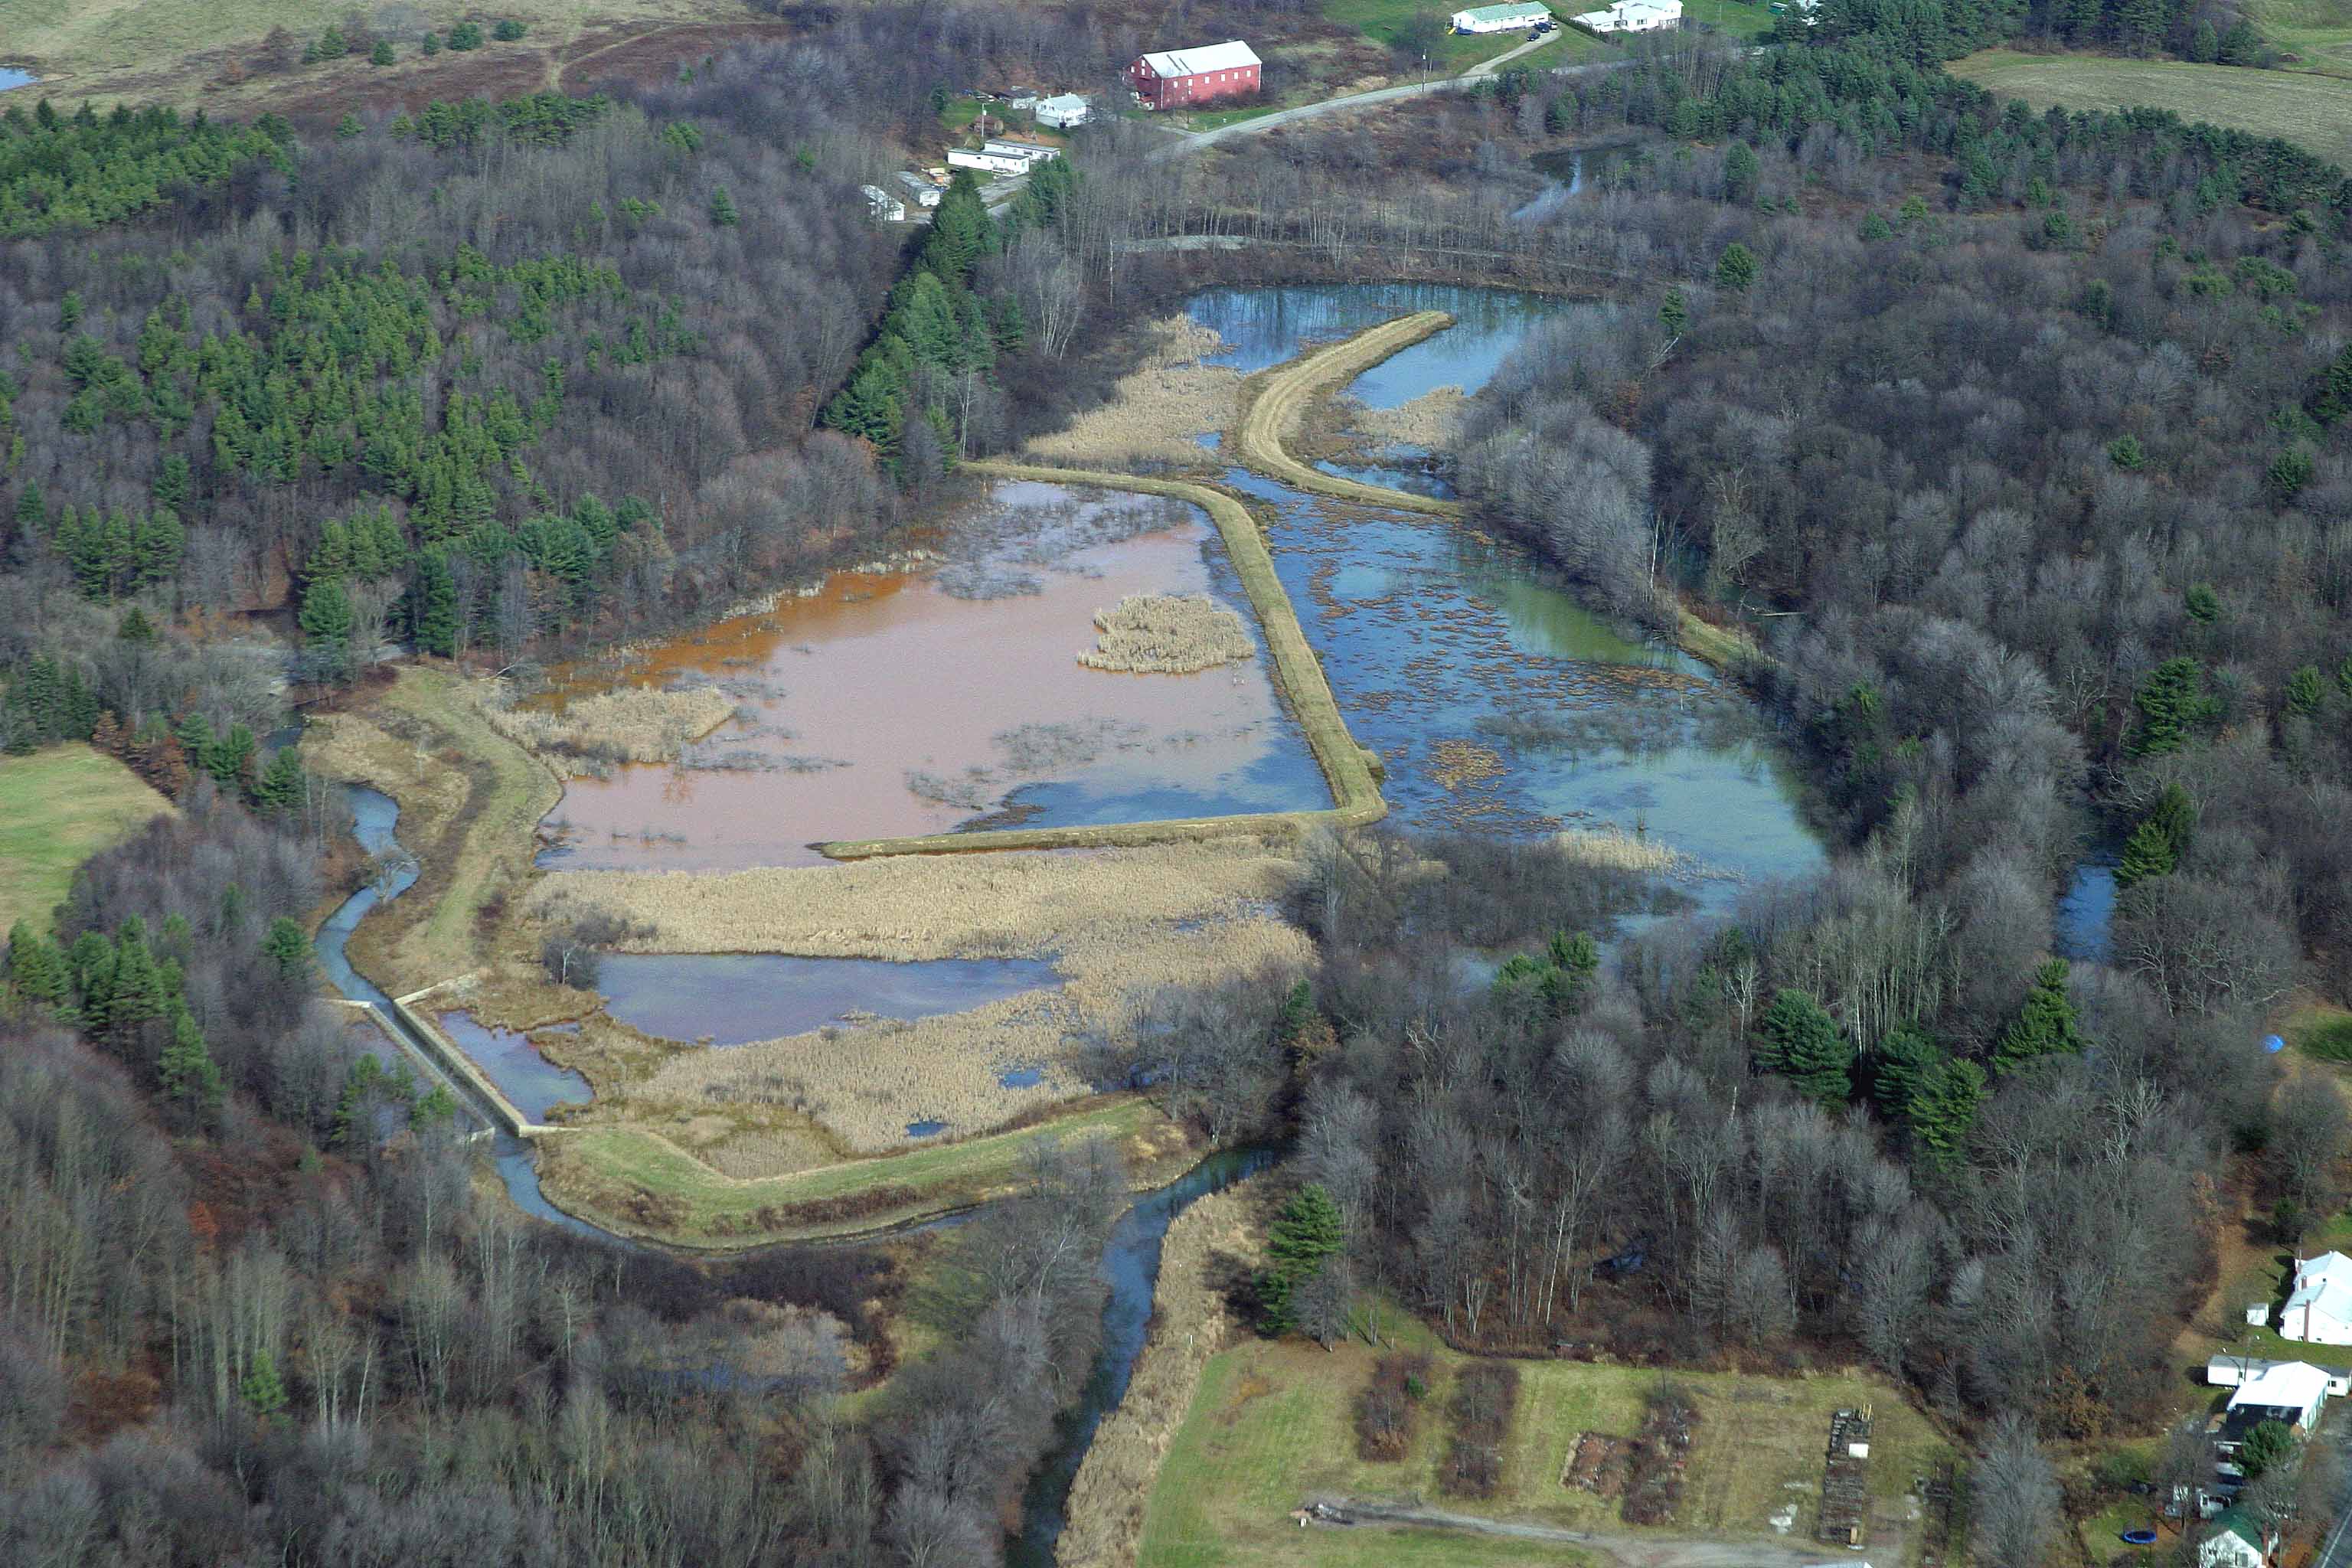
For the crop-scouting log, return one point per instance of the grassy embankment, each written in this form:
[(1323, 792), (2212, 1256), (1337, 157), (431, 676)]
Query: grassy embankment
[(58, 807), (1273, 1422), (1346, 767), (1277, 401), (2312, 111), (2318, 33)]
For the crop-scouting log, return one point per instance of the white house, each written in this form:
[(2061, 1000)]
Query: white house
[(2232, 1371), (1062, 113), (1500, 19), (2292, 1392), (1633, 16), (919, 191), (2320, 1307), (884, 207), (2235, 1541)]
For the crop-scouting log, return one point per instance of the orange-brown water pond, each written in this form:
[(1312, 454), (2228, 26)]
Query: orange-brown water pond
[(920, 702)]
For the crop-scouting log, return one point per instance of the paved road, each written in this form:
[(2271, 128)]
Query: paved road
[(1629, 1550), (2336, 1546)]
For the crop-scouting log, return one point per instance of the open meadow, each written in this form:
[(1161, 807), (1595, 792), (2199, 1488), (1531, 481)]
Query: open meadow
[(2314, 111), (2314, 34), (58, 807), (1273, 1422)]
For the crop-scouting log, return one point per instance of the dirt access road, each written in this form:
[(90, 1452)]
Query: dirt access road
[(1633, 1550)]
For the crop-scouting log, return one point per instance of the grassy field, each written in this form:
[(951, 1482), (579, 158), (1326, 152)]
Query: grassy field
[(2314, 111), (2317, 32), (1454, 53), (603, 1175), (57, 808), (1271, 1423)]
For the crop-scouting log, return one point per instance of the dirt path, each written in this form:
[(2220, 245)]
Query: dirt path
[(1633, 1550), (1283, 398)]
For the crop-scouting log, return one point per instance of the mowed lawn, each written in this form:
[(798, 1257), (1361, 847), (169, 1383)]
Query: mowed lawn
[(2314, 112), (1273, 1423), (57, 808)]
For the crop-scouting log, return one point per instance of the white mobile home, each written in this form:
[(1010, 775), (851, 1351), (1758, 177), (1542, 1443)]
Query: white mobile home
[(919, 191), (884, 206), (987, 163), (1017, 147)]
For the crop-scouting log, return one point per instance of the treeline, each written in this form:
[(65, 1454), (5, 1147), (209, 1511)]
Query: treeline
[(76, 171), (1926, 34)]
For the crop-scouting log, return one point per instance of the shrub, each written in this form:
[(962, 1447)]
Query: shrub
[(1390, 1407), (1485, 1397), (1661, 1452), (508, 31), (465, 35)]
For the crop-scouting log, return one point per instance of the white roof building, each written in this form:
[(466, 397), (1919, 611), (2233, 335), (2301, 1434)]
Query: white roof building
[(919, 190), (884, 207), (1208, 58), (1633, 16), (1065, 111), (1013, 147), (1501, 18), (2320, 1307), (2230, 1369), (2294, 1386)]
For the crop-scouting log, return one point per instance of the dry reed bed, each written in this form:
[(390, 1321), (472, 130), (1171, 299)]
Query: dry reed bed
[(1118, 925), (1190, 1322), (1432, 421), (632, 725), (1157, 408), (1283, 394), (1167, 633), (1614, 847)]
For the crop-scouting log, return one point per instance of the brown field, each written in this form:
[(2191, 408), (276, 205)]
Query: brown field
[(1157, 409), (1433, 420), (632, 724), (1168, 633)]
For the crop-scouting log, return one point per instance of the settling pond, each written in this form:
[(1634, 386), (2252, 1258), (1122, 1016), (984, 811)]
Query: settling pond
[(1498, 703), (917, 702)]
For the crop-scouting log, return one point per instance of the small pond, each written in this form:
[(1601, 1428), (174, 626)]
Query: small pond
[(14, 76), (2086, 913), (735, 998), (510, 1060), (952, 698)]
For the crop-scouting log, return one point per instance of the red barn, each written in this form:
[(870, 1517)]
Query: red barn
[(1186, 79)]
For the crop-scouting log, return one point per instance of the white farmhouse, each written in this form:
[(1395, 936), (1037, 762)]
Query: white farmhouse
[(1633, 16), (1500, 19), (2320, 1307), (1063, 112)]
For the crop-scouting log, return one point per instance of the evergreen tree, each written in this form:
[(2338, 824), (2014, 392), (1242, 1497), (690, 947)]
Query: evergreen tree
[(433, 605), (263, 1392), (1739, 173), (722, 208), (431, 45), (188, 1073), (2202, 603), (137, 995), (326, 622), (1801, 1043), (2171, 702), (381, 54), (1735, 268), (37, 970), (868, 406), (1905, 1058), (465, 35), (173, 483), (960, 230), (286, 947), (228, 758), (1306, 1235), (2045, 1025), (1943, 1109), (1673, 314), (434, 1108), (283, 785), (2125, 453), (134, 626), (2157, 845), (2304, 692)]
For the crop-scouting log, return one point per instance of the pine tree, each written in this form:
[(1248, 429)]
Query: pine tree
[(1308, 1233), (326, 622), (136, 627), (433, 605), (1943, 1109), (138, 995), (1735, 268), (228, 758), (263, 1392), (1739, 173), (2155, 845), (381, 54), (434, 1108), (1905, 1058), (286, 947), (188, 1073), (1803, 1043), (2045, 1025), (1673, 314), (722, 208), (2171, 702), (2202, 603), (2304, 692), (283, 785), (37, 970)]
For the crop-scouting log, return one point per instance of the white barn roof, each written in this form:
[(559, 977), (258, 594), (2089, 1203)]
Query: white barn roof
[(1192, 62)]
